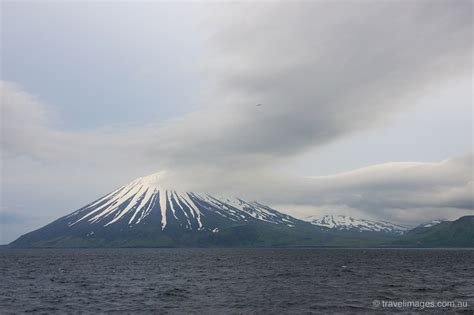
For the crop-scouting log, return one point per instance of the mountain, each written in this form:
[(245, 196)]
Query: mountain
[(458, 233), (346, 223), (143, 214)]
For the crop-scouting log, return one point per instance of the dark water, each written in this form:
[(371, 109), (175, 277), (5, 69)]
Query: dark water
[(233, 280)]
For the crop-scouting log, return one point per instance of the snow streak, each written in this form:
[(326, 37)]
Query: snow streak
[(134, 202)]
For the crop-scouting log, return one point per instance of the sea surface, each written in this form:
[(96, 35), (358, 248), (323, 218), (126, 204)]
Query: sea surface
[(236, 281)]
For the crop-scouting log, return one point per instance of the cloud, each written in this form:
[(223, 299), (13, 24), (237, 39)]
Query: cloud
[(30, 129), (405, 192), (321, 70), (24, 121), (45, 162), (401, 191)]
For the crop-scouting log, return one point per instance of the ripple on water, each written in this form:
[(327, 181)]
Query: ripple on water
[(229, 280)]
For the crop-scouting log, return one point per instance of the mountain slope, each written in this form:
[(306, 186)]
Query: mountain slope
[(346, 223), (458, 233), (143, 214)]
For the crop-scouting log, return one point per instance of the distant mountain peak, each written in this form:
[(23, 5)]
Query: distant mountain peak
[(348, 223), (145, 198)]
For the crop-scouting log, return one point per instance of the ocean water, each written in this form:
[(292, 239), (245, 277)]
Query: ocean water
[(236, 281)]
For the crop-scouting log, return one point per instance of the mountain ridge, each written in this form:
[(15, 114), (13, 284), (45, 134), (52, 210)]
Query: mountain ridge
[(143, 214), (457, 233), (344, 222)]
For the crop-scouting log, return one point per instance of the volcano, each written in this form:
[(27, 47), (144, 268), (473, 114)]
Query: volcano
[(144, 214)]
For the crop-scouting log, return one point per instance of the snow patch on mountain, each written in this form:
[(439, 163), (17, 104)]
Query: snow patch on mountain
[(344, 222), (430, 224)]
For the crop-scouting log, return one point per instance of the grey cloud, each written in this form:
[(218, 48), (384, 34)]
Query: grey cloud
[(23, 120), (29, 128), (322, 70), (400, 191), (38, 156)]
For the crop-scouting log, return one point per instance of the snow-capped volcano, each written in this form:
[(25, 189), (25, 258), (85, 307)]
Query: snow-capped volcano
[(143, 200), (144, 213), (343, 222)]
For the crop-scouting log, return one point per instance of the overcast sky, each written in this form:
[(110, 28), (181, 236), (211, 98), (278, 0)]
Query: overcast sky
[(366, 105)]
